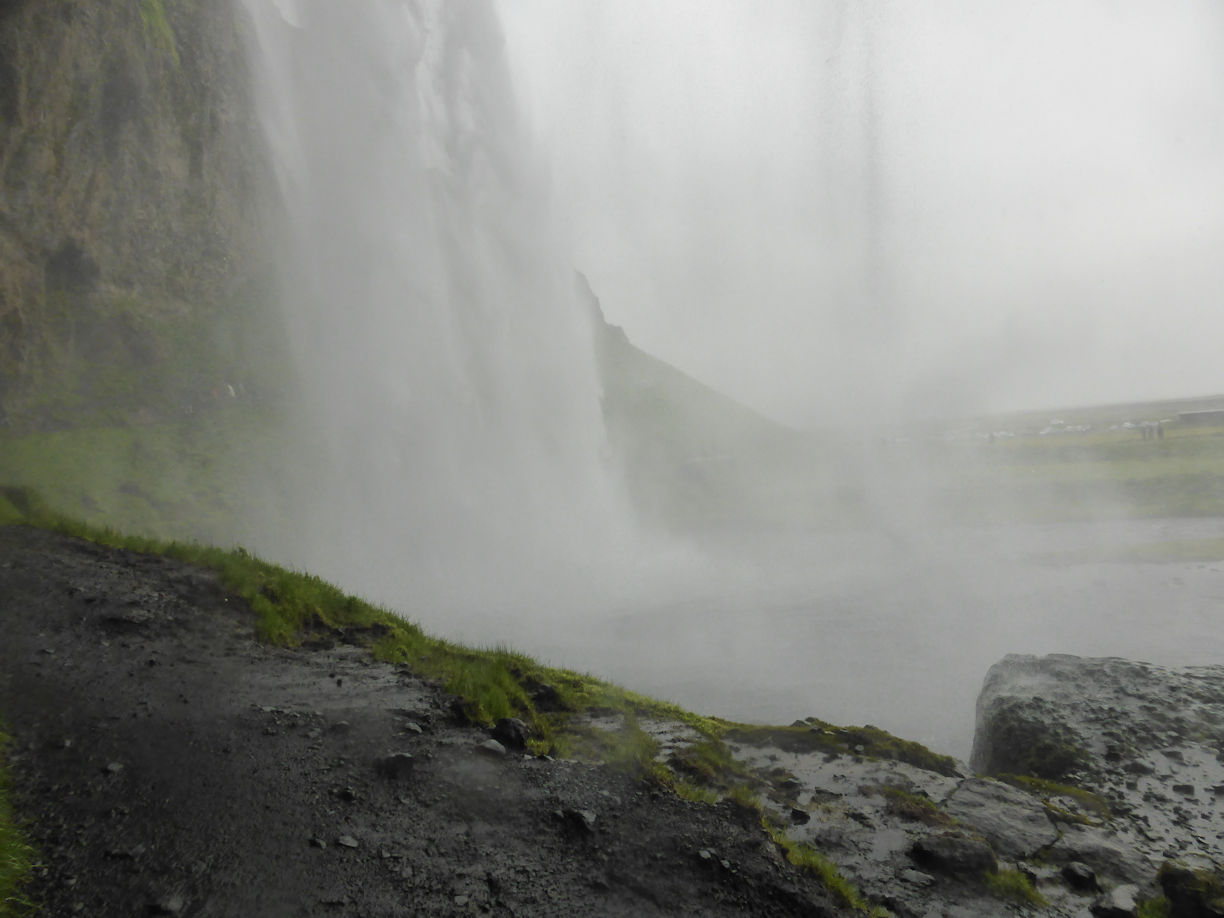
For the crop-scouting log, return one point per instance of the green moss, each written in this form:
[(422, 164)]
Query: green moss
[(16, 855), (818, 736), (157, 30), (708, 761), (1159, 907), (188, 479), (696, 793), (1014, 886), (914, 807), (744, 796), (1049, 791), (1191, 890), (627, 747), (1026, 742), (808, 859)]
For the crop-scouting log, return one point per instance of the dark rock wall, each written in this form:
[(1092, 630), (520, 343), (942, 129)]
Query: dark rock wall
[(131, 206)]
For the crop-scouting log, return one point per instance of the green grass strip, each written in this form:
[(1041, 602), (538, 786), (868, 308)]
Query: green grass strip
[(16, 855)]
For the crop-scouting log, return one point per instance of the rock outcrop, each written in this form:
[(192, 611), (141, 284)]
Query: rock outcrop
[(1146, 741), (1094, 789)]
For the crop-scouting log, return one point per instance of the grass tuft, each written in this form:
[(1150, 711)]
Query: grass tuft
[(1014, 886), (914, 807), (16, 855), (808, 859), (1160, 907), (818, 736), (1049, 790)]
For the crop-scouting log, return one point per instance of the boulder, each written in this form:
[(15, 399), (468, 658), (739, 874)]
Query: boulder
[(512, 733), (1145, 740), (954, 853), (1191, 893), (1119, 902), (1013, 821)]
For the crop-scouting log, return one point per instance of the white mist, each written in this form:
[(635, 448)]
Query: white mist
[(450, 459)]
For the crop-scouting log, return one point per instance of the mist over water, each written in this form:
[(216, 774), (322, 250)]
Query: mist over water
[(450, 457)]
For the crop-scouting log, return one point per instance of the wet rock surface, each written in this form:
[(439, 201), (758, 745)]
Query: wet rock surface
[(171, 764)]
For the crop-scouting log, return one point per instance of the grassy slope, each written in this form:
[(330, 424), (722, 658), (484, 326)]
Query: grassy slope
[(188, 479), (495, 683)]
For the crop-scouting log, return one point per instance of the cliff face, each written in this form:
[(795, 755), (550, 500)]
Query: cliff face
[(130, 208)]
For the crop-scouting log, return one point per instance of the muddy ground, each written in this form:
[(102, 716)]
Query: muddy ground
[(171, 764)]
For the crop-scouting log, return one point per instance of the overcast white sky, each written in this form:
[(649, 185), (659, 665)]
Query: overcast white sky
[(836, 207)]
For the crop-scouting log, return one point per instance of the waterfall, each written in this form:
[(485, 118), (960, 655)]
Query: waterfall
[(450, 449)]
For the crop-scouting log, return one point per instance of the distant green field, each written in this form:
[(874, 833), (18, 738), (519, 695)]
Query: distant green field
[(1097, 474)]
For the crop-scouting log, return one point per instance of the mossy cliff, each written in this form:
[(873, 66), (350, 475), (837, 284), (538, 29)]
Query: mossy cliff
[(132, 206)]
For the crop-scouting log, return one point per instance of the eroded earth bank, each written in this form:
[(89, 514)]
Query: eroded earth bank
[(169, 763)]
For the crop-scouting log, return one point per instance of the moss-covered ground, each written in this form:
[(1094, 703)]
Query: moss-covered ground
[(1095, 474)]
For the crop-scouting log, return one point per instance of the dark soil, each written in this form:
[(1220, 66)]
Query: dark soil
[(171, 764)]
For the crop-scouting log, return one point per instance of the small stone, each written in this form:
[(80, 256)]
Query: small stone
[(347, 841), (1119, 902), (412, 727), (800, 817), (396, 766), (316, 842), (954, 853), (583, 821), (916, 878), (114, 768), (492, 747), (1081, 877), (168, 905), (340, 726), (512, 733), (546, 697)]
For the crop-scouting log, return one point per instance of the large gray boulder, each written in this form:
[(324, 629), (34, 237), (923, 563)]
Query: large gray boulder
[(1147, 740)]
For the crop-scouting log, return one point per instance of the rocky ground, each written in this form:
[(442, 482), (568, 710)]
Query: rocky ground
[(171, 764)]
